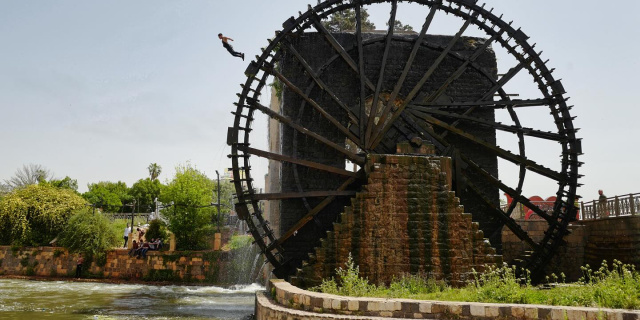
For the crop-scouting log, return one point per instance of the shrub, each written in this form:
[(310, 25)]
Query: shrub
[(157, 230), (238, 242), (34, 215), (90, 234), (349, 282)]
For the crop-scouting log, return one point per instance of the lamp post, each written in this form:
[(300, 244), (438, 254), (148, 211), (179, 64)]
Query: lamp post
[(218, 204), (133, 208)]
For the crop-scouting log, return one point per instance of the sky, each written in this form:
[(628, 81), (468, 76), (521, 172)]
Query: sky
[(98, 90)]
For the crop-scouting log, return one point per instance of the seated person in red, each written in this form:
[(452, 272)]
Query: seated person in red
[(134, 248), (142, 252)]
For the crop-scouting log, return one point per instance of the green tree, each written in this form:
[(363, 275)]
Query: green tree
[(346, 21), (109, 196), (65, 183), (35, 214), (157, 230), (398, 26), (28, 175), (90, 234), (190, 217), (154, 171), (145, 191)]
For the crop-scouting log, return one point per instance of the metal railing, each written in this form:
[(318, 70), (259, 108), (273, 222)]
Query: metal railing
[(618, 206)]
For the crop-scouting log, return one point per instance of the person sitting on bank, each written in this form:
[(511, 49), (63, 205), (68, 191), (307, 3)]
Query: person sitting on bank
[(134, 249), (142, 252), (153, 244)]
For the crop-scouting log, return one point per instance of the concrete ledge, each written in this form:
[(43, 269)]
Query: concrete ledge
[(285, 301)]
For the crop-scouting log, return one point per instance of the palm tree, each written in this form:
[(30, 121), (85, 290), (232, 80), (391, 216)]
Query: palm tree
[(27, 175), (154, 171)]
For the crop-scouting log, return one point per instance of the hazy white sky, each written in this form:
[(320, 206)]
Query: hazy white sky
[(97, 90)]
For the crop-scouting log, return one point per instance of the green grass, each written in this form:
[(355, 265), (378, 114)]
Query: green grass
[(615, 286)]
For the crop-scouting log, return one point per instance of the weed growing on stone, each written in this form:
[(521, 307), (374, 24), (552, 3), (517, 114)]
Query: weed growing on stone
[(349, 282), (615, 286)]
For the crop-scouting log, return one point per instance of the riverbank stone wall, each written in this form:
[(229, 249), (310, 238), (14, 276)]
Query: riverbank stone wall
[(196, 266)]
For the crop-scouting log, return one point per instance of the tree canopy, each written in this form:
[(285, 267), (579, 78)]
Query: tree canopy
[(109, 196), (398, 26), (346, 21), (35, 214), (145, 191), (65, 183), (190, 218)]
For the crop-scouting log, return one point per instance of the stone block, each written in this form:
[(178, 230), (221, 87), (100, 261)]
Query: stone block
[(558, 314), (492, 311), (477, 310)]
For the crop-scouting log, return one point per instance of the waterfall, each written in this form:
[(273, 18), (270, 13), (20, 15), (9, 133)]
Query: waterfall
[(242, 265)]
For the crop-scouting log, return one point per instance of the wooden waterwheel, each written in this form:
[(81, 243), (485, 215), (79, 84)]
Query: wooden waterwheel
[(390, 103)]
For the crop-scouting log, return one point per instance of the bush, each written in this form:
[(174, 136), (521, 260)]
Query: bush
[(34, 215), (157, 230), (238, 242), (349, 282), (90, 234)]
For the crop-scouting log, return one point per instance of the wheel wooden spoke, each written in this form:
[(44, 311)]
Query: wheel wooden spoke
[(385, 55), (502, 153), (362, 124), (504, 218), (436, 94), (350, 155), (338, 47), (352, 117), (296, 195), (315, 105), (516, 195), (407, 66), (382, 128), (499, 104), (313, 212), (498, 86), (306, 163), (505, 79), (420, 111)]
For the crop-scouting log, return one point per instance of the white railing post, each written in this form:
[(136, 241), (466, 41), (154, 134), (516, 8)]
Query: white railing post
[(632, 204)]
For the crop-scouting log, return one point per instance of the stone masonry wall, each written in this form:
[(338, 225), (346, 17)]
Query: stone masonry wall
[(569, 258), (590, 242), (175, 266), (405, 220), (612, 238), (338, 76)]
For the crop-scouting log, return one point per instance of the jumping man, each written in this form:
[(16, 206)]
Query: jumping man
[(229, 47)]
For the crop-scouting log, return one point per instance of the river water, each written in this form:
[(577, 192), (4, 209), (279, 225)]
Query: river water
[(31, 300)]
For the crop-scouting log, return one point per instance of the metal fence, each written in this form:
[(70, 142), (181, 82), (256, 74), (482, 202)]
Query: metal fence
[(618, 206)]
